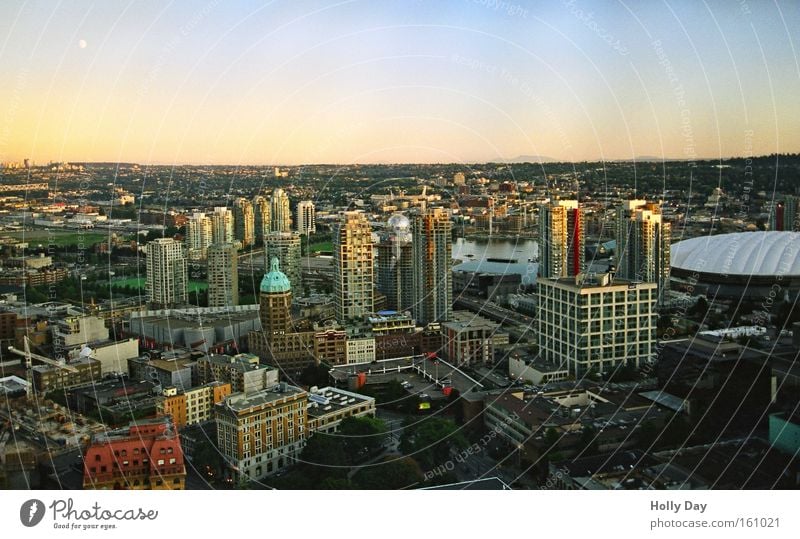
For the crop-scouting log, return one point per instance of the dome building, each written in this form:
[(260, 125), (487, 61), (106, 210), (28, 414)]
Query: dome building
[(275, 301), (745, 265)]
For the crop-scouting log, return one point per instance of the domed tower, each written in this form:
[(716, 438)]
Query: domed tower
[(275, 302)]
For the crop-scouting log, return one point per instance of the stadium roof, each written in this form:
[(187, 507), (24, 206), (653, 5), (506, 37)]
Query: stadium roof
[(744, 253)]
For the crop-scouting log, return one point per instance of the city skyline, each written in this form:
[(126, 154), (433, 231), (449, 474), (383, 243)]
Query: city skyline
[(357, 82)]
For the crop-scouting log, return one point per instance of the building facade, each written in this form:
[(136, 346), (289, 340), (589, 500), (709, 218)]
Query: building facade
[(470, 339), (394, 271), (643, 244), (353, 285), (222, 225), (280, 215), (286, 247), (261, 217), (167, 278), (596, 323), (262, 433), (433, 280), (198, 236), (306, 217), (223, 275), (145, 456), (193, 405), (244, 222), (561, 239)]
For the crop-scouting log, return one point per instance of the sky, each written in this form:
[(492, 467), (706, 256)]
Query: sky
[(371, 81)]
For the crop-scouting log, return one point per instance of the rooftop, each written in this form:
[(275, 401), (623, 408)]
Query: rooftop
[(239, 402)]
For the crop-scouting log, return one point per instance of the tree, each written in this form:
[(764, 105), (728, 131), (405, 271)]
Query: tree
[(361, 433), (391, 474), (314, 375), (429, 440)]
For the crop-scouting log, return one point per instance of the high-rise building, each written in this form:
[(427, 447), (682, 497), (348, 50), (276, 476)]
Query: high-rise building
[(198, 236), (596, 322), (280, 215), (459, 179), (306, 217), (278, 343), (275, 301), (167, 279), (223, 275), (261, 210), (643, 244), (433, 280), (353, 267), (394, 271), (561, 239), (244, 222), (784, 216), (286, 247), (222, 225), (261, 433)]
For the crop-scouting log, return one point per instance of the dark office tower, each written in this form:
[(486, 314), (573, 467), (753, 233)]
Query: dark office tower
[(433, 280), (244, 222), (394, 274), (261, 217)]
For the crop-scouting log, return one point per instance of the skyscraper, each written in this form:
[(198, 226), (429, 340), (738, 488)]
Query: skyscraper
[(244, 222), (433, 280), (261, 211), (784, 216), (275, 302), (395, 263), (222, 225), (561, 239), (353, 267), (198, 236), (643, 244), (166, 281), (280, 216), (286, 247), (306, 217), (223, 275)]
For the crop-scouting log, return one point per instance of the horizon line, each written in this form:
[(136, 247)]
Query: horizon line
[(500, 161)]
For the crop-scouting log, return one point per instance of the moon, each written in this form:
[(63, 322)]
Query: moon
[(82, 43)]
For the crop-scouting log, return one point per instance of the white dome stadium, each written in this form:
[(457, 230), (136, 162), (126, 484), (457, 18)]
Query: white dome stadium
[(751, 254)]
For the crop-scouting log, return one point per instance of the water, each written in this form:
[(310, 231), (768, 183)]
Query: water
[(520, 249)]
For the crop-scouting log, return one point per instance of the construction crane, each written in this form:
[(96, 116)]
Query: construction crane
[(29, 356)]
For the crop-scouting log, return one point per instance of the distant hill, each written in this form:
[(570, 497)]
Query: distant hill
[(526, 159)]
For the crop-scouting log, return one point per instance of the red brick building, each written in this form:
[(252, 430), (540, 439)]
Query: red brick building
[(145, 456)]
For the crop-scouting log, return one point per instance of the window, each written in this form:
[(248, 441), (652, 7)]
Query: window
[(160, 462)]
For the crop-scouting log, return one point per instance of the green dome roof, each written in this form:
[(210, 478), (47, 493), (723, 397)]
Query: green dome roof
[(275, 281)]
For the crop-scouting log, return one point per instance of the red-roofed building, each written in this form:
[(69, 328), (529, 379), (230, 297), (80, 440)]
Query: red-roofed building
[(146, 456)]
